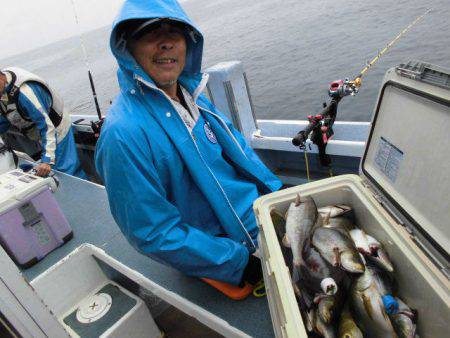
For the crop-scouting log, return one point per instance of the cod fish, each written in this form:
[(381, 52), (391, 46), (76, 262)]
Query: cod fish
[(371, 248), (317, 270), (337, 249), (347, 325), (301, 219), (403, 321), (368, 307), (334, 210), (316, 324)]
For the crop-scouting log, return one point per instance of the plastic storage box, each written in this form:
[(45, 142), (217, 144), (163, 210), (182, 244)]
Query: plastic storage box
[(111, 312), (88, 303), (31, 221), (402, 198)]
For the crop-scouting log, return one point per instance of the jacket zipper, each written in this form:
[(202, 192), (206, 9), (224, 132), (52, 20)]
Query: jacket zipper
[(203, 160)]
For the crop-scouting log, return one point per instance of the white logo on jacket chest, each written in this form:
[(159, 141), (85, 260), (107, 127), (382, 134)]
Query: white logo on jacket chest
[(209, 134)]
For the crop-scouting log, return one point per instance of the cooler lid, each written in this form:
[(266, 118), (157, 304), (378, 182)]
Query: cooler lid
[(407, 152), (17, 186)]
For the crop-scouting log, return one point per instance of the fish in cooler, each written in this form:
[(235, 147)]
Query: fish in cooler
[(371, 248), (317, 325), (329, 306), (317, 275), (347, 325), (368, 307), (404, 320), (337, 249), (302, 217), (333, 261)]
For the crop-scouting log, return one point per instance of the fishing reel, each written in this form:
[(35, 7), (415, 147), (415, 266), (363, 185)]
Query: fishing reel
[(319, 130), (341, 88), (320, 127), (315, 122)]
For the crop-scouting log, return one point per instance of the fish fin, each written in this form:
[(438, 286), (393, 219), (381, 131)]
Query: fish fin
[(367, 305), (297, 200), (337, 257), (286, 242)]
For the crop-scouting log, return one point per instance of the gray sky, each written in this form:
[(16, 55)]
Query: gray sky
[(27, 24)]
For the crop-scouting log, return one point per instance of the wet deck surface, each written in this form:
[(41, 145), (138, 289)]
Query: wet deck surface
[(86, 208)]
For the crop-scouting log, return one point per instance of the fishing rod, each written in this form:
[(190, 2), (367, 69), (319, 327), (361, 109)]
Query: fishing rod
[(357, 80), (95, 125), (320, 127)]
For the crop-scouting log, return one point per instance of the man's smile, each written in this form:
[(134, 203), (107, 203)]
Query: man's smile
[(165, 63), (164, 60)]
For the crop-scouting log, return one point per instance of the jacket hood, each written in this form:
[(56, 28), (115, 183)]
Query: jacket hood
[(154, 9)]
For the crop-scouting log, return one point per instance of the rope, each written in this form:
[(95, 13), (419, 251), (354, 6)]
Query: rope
[(260, 286), (307, 166)]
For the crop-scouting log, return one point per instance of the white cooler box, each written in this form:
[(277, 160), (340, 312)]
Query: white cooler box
[(402, 198)]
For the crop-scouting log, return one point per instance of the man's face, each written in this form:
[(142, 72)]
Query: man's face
[(161, 52)]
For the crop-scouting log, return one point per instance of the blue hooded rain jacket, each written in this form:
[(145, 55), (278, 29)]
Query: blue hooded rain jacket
[(163, 190)]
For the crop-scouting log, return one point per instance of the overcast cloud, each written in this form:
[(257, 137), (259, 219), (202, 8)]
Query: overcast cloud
[(28, 24)]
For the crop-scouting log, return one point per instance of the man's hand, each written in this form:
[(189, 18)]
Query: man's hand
[(43, 169)]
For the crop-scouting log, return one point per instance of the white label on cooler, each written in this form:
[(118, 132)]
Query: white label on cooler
[(388, 159), (40, 230)]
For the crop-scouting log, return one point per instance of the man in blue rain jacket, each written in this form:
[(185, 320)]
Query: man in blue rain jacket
[(30, 105), (180, 179)]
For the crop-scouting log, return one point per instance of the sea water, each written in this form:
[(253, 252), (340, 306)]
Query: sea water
[(291, 51)]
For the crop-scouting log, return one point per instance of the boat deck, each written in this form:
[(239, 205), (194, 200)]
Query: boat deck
[(86, 207)]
